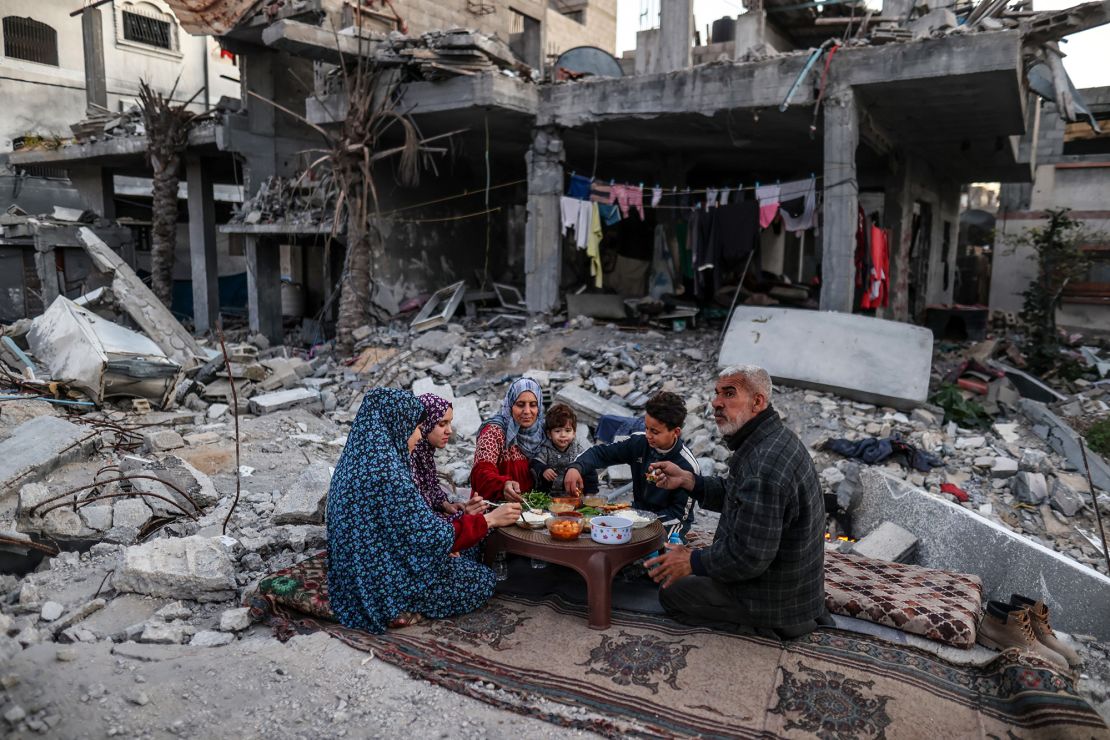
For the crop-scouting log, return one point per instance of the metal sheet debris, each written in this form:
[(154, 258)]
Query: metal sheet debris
[(102, 358), (440, 307)]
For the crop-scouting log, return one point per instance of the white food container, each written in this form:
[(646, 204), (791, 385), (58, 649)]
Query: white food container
[(611, 530)]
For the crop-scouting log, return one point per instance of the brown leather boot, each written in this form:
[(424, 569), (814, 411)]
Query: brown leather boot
[(1038, 617), (1007, 626)]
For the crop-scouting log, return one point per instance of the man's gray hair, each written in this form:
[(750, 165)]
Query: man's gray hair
[(754, 378)]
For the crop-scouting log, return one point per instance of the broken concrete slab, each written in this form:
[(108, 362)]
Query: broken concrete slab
[(467, 418), (269, 402), (162, 440), (860, 357), (303, 502), (887, 542), (1029, 488), (1062, 438), (37, 447), (1066, 497), (438, 342), (77, 615), (142, 305), (235, 620), (589, 406), (953, 538), (197, 568), (211, 638)]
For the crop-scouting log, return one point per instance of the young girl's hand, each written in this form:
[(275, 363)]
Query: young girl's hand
[(550, 475)]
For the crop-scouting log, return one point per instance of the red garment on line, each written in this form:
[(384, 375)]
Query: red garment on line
[(469, 531), (494, 465), (878, 281)]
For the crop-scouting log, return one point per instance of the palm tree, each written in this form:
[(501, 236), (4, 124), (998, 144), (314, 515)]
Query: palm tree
[(167, 134)]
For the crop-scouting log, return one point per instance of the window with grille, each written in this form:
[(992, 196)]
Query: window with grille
[(30, 40), (144, 29)]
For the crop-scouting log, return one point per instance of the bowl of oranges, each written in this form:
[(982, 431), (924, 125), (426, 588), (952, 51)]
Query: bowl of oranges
[(566, 526)]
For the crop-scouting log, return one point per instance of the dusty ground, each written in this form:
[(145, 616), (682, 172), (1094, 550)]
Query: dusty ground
[(310, 687)]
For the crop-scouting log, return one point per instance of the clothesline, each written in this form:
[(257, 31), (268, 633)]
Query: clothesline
[(674, 191)]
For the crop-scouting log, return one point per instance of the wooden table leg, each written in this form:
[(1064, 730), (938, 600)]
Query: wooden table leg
[(599, 590)]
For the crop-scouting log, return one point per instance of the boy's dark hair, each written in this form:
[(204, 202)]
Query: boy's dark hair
[(667, 408), (558, 416)]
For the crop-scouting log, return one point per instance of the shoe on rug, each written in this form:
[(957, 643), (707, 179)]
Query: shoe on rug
[(1007, 626), (1038, 617)]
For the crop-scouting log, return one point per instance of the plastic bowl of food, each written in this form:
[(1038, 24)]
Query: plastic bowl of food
[(533, 519), (574, 501), (594, 501), (611, 530), (561, 508), (566, 527)]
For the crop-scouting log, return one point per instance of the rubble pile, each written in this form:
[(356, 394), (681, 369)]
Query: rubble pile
[(134, 503), (285, 200)]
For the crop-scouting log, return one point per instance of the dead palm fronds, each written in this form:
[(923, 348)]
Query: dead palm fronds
[(167, 134), (349, 160)]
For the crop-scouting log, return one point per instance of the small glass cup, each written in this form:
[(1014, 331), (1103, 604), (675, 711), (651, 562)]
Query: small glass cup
[(501, 566), (539, 563)]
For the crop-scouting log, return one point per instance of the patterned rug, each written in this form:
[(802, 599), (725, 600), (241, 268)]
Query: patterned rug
[(649, 676)]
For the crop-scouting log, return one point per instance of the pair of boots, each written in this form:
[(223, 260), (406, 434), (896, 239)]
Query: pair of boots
[(1023, 623)]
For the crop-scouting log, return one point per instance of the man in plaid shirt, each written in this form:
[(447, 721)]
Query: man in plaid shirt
[(765, 569)]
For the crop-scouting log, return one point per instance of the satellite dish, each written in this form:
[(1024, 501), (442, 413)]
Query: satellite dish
[(589, 60)]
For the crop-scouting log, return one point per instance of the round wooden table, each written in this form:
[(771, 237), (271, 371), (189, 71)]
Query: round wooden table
[(595, 562)]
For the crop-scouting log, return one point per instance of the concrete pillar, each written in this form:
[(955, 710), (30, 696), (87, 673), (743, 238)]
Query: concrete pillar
[(92, 36), (676, 35), (202, 244), (264, 287), (841, 187), (97, 189), (898, 217), (543, 258), (47, 269)]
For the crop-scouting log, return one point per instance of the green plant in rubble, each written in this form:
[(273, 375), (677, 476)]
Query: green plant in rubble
[(965, 412), (1098, 437), (1056, 250)]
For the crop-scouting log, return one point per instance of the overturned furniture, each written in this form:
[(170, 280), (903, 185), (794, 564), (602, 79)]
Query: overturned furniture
[(103, 359)]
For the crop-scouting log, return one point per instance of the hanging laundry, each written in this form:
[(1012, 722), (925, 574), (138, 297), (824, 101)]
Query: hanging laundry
[(662, 280), (600, 193), (579, 187), (629, 195), (593, 244), (576, 215), (863, 251), (710, 198), (656, 196), (610, 214), (768, 197), (722, 197), (735, 232), (876, 295), (798, 204)]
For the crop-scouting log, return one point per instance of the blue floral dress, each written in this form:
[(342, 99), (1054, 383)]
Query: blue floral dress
[(387, 551)]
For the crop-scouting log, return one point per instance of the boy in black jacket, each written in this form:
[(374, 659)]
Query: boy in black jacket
[(662, 440)]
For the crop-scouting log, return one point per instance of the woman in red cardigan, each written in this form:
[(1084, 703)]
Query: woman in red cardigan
[(507, 442)]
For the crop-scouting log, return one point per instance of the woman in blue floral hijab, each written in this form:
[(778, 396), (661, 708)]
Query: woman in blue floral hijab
[(389, 555)]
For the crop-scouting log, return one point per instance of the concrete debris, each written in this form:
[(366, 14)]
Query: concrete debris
[(211, 638), (590, 407), (303, 502), (162, 440), (51, 610), (279, 400), (197, 568), (1030, 488), (235, 620), (887, 542), (36, 448)]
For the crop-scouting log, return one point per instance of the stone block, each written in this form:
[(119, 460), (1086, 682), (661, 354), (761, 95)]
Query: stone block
[(437, 342), (162, 440), (37, 447), (887, 542), (211, 638), (202, 438), (970, 443), (51, 611), (303, 502), (1066, 496), (197, 568), (1004, 467), (1029, 488), (97, 517), (957, 539), (1035, 461), (420, 386), (860, 357), (235, 620), (217, 410), (1063, 439), (269, 402), (130, 513), (157, 632), (467, 418), (588, 406)]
